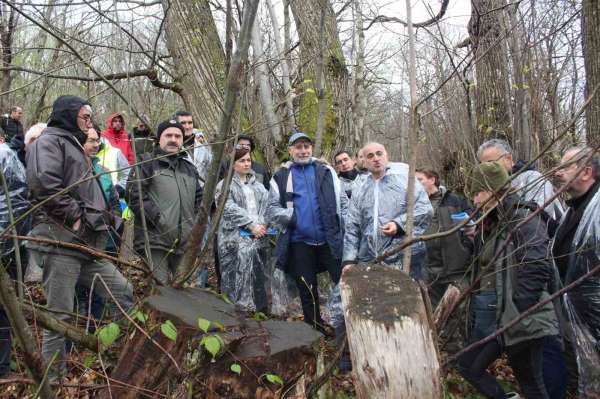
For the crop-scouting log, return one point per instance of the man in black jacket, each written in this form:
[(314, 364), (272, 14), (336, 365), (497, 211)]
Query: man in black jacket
[(576, 248), (171, 194), (55, 161)]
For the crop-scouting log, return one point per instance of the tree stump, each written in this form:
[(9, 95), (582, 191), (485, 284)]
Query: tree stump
[(391, 342), (284, 349)]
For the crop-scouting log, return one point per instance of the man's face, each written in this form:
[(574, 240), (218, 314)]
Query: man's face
[(376, 159), (493, 154), (569, 174), (188, 124), (360, 159), (84, 118), (428, 183), (17, 114), (344, 163), (244, 143), (141, 126), (117, 123), (301, 151), (171, 140), (92, 144)]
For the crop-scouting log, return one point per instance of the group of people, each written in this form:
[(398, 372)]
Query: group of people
[(515, 247)]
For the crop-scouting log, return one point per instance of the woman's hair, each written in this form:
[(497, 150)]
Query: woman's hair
[(240, 152)]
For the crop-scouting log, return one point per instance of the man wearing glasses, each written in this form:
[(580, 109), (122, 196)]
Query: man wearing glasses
[(55, 161)]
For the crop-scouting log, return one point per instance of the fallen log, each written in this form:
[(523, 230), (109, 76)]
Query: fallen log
[(250, 359), (391, 341), (445, 307)]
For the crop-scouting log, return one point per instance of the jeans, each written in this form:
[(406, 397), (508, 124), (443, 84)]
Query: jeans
[(305, 262), (61, 275), (525, 358)]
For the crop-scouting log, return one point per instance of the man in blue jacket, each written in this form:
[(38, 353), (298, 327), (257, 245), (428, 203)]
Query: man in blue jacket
[(307, 203)]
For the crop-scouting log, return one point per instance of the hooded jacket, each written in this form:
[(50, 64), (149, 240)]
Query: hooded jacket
[(56, 161), (171, 194), (532, 186), (119, 139), (375, 203), (242, 258)]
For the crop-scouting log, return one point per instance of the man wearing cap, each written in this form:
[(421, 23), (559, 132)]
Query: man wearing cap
[(307, 203), (511, 274), (82, 215), (170, 194)]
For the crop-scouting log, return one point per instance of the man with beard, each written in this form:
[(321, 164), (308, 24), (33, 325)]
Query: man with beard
[(171, 194)]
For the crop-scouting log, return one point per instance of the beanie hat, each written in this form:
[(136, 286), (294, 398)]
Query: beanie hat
[(487, 176), (167, 124)]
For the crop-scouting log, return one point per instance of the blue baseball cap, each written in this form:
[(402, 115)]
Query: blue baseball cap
[(297, 136)]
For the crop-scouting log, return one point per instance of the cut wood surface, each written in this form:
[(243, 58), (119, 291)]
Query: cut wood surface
[(285, 349), (391, 343), (445, 307)]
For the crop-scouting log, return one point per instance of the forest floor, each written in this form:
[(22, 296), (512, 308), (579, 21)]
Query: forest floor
[(87, 371)]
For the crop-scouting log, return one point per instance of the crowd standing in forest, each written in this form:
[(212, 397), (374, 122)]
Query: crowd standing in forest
[(321, 219)]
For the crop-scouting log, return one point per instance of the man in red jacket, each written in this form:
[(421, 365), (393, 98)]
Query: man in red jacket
[(117, 136)]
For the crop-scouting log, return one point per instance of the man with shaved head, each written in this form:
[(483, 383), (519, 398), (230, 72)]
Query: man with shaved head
[(378, 211)]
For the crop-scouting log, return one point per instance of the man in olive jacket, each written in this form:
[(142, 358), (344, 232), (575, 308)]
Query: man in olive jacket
[(171, 194), (55, 161)]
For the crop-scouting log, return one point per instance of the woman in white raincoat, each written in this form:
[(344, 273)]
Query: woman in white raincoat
[(242, 239)]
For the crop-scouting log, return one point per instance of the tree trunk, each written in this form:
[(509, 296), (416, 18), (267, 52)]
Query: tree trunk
[(590, 26), (360, 100), (307, 15), (274, 347), (8, 22), (390, 336), (486, 29), (199, 60), (261, 74)]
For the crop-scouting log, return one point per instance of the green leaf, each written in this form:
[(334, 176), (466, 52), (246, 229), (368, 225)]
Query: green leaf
[(236, 368), (307, 81), (203, 324), (260, 316), (139, 316), (108, 334), (274, 379), (168, 329), (212, 345), (218, 325), (89, 361)]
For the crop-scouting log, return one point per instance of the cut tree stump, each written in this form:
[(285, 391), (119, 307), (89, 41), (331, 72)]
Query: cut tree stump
[(285, 349), (391, 342)]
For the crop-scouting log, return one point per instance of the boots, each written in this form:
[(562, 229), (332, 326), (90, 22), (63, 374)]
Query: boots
[(344, 364)]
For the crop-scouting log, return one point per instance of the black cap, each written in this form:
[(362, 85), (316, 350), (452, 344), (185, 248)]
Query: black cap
[(167, 124)]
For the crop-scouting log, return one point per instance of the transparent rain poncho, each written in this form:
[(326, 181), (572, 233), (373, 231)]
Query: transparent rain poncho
[(242, 257), (582, 303), (14, 174), (376, 203), (532, 186)]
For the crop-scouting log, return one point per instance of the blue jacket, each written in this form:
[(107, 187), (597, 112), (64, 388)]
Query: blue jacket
[(294, 213)]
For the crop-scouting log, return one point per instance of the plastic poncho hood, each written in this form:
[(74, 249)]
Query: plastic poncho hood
[(64, 115)]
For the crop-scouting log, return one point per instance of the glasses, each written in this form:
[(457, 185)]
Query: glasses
[(86, 118)]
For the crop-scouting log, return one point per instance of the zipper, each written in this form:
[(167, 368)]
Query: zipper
[(310, 200)]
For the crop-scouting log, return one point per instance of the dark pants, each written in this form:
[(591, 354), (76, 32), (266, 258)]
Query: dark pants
[(305, 262), (525, 358), (555, 368), (5, 337)]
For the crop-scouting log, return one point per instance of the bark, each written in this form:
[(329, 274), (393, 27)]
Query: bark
[(307, 15), (491, 70), (285, 69), (319, 86), (590, 26), (232, 89), (8, 23), (445, 307), (273, 347), (199, 60), (261, 75), (384, 311), (360, 100)]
